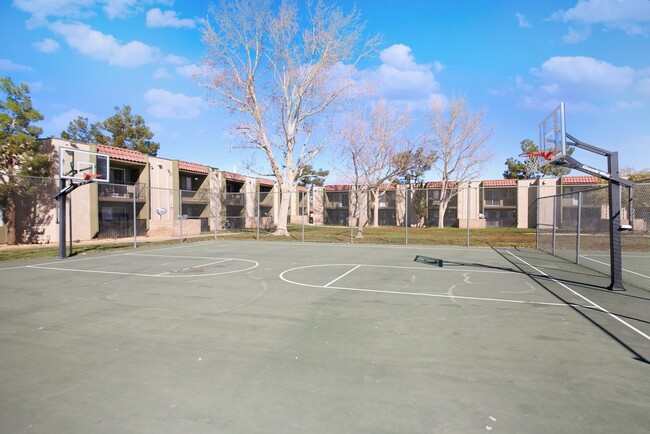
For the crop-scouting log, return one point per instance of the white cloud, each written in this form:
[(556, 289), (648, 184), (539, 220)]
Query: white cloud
[(47, 45), (401, 79), (586, 72), (587, 83), (574, 36), (58, 123), (9, 65), (159, 18), (630, 16), (121, 8), (191, 71), (523, 22), (161, 73), (173, 59), (40, 10), (165, 104), (100, 46)]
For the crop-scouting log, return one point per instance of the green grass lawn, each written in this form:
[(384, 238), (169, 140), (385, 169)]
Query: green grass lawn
[(334, 234)]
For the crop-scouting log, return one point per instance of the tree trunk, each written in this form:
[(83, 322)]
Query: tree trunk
[(362, 208), (442, 209), (375, 211), (11, 217), (283, 214)]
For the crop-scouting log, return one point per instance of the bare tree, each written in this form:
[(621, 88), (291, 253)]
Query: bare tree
[(459, 137), (378, 152), (280, 74)]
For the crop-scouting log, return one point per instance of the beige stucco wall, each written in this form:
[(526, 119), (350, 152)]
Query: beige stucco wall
[(526, 203), (161, 177)]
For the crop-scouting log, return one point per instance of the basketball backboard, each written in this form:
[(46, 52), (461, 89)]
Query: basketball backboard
[(552, 136), (79, 165)]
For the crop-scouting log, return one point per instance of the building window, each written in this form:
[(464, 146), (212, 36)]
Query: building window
[(118, 176), (113, 213)]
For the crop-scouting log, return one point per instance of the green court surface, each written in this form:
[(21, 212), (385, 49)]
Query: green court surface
[(250, 337)]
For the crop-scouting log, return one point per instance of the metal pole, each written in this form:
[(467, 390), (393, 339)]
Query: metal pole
[(555, 198), (578, 227), (406, 216), (537, 226), (303, 214), (615, 254), (180, 213), (358, 211), (62, 220), (70, 223), (135, 221), (259, 199), (469, 204)]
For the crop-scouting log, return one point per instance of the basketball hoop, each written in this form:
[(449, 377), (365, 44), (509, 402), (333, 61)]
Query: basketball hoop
[(91, 176), (535, 159)]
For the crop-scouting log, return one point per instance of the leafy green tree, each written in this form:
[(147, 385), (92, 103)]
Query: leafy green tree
[(418, 161), (19, 147), (517, 169), (79, 130), (130, 131), (124, 130), (311, 177)]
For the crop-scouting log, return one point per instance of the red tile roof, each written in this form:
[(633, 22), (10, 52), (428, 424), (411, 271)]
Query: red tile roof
[(438, 184), (186, 166), (122, 154), (266, 182), (575, 180), (500, 183), (338, 187), (231, 176)]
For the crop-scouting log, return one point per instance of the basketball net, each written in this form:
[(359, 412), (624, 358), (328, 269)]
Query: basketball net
[(533, 159)]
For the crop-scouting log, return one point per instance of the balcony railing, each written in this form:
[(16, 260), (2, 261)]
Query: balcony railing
[(505, 202), (235, 199), (202, 195), (266, 199), (122, 191)]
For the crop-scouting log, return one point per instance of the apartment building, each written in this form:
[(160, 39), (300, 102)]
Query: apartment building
[(155, 196), (159, 197)]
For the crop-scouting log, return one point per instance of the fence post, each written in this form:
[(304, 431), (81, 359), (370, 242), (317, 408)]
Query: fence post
[(554, 222), (180, 213), (469, 203), (537, 225), (259, 199), (301, 207), (406, 215), (578, 227), (135, 221)]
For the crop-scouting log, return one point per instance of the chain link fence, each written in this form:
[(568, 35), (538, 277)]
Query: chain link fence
[(394, 215), (575, 226)]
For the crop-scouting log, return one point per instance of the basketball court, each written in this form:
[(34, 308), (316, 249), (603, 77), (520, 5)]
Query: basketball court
[(235, 336)]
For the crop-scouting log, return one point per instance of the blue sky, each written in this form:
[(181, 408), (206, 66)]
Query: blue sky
[(515, 59)]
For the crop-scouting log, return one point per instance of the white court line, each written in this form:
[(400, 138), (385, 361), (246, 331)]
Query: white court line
[(172, 256), (122, 273), (602, 309), (624, 269), (416, 294), (92, 257), (193, 266), (602, 255), (342, 276)]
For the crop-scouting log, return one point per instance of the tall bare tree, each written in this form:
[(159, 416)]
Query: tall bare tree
[(378, 152), (280, 73), (459, 136)]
